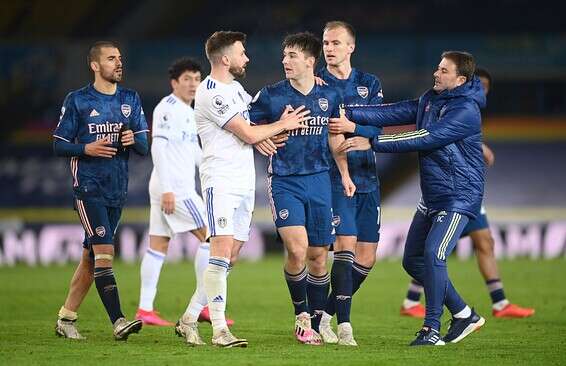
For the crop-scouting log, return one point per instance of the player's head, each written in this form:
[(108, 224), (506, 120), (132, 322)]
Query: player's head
[(185, 75), (300, 54), (455, 68), (105, 60), (338, 42), (226, 49), (485, 78)]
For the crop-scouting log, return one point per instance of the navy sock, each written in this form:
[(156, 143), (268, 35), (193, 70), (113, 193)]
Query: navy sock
[(297, 284), (359, 274), (415, 291), (317, 293), (108, 292), (342, 284), (495, 288)]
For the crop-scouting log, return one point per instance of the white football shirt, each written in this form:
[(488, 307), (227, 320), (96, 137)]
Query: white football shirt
[(175, 150), (227, 162)]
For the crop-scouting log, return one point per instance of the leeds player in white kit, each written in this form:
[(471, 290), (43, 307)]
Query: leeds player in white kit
[(227, 170), (175, 205)]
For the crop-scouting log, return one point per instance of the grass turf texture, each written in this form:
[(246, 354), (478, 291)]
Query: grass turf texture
[(259, 302)]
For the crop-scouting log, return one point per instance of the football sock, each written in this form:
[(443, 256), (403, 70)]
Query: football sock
[(414, 293), (108, 292), (297, 284), (464, 313), (66, 314), (317, 294), (150, 269), (359, 275), (198, 300), (342, 284), (495, 288), (215, 287)]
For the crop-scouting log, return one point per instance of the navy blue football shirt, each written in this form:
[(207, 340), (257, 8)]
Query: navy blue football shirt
[(88, 115), (307, 150), (360, 88)]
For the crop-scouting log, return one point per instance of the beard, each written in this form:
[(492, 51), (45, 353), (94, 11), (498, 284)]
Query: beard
[(112, 76), (238, 71)]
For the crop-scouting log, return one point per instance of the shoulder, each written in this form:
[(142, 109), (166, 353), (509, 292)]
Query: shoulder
[(330, 92), (277, 87), (165, 104), (129, 94), (367, 78)]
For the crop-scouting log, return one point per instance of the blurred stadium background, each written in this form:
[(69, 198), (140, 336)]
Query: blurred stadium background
[(43, 45)]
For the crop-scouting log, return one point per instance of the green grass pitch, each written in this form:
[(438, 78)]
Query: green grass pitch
[(259, 302)]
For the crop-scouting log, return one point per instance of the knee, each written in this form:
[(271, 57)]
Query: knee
[(366, 258), (233, 259), (296, 255)]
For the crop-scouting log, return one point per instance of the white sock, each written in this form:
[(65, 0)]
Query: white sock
[(464, 313), (407, 304), (198, 300), (215, 287), (201, 260), (500, 305), (326, 318), (149, 272)]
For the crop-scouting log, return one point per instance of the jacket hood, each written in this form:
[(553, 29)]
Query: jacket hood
[(471, 89)]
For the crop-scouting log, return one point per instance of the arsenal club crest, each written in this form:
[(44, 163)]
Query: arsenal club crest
[(323, 104), (363, 91), (283, 214), (126, 110), (100, 231)]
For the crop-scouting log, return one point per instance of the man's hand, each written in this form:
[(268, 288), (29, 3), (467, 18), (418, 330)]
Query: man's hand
[(292, 119), (168, 203), (101, 148), (279, 140), (266, 147), (354, 143), (349, 187), (341, 124), (127, 138), (319, 81)]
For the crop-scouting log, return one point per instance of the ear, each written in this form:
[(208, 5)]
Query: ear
[(225, 60), (94, 66), (311, 61), (351, 47), (460, 80), (173, 83)]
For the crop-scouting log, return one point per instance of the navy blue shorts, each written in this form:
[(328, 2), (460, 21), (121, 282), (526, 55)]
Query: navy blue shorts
[(99, 222), (479, 223), (304, 200), (358, 216)]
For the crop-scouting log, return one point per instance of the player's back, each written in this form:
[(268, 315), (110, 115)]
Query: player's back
[(227, 161), (174, 122), (87, 116), (362, 89), (306, 151)]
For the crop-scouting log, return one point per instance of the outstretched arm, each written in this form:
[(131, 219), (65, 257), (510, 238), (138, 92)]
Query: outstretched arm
[(401, 113)]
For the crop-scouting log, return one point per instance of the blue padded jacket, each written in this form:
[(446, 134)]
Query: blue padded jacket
[(447, 137)]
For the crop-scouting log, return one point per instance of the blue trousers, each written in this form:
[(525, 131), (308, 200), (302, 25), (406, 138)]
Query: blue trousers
[(430, 241)]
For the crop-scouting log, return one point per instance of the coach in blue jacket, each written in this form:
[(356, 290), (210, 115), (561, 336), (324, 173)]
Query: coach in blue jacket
[(448, 140)]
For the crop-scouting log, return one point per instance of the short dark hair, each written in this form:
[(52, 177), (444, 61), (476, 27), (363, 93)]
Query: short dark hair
[(179, 66), (340, 24), (94, 51), (219, 40), (464, 61), (483, 73), (306, 42)]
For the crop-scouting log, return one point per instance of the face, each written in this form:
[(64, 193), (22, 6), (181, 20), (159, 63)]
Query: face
[(337, 46), (109, 64), (485, 83), (296, 63), (446, 77), (237, 59), (186, 85)]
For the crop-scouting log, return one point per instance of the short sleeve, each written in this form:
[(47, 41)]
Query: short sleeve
[(139, 124), (220, 107), (68, 125), (260, 108)]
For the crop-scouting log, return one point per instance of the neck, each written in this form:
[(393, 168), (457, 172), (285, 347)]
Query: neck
[(341, 71), (303, 84), (178, 96), (221, 74), (104, 86)]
